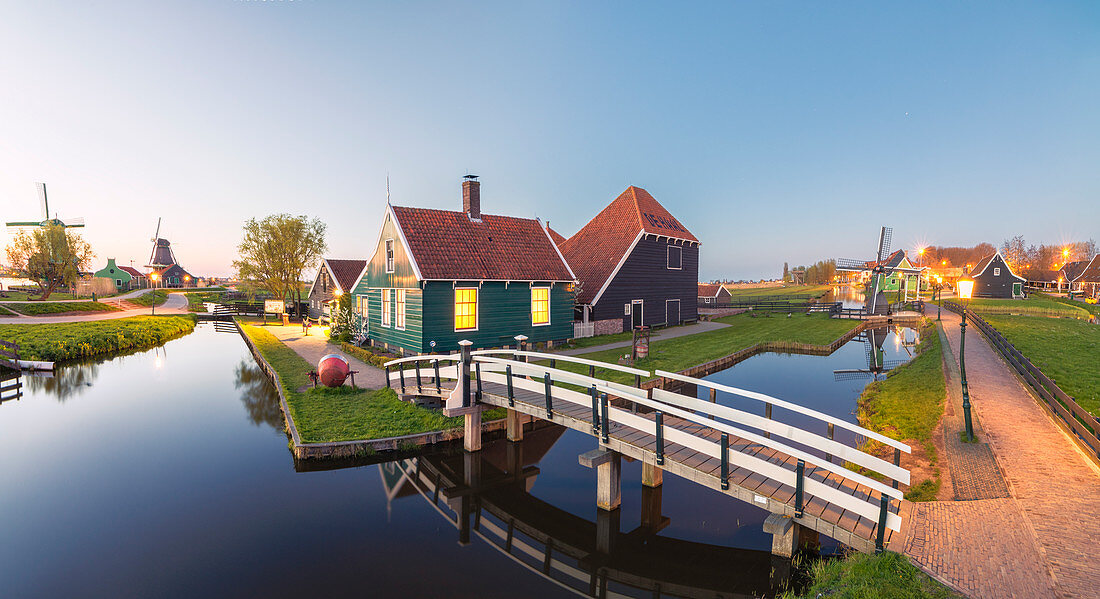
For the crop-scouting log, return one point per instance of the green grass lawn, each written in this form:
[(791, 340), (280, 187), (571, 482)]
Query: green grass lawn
[(1065, 350), (691, 350), (67, 341), (781, 292), (887, 575), (907, 406), (325, 415), (1036, 305), (5, 312), (195, 300), (57, 296), (146, 299), (46, 308), (1093, 309)]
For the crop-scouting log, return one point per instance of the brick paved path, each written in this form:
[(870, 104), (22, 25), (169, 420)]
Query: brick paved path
[(1044, 540)]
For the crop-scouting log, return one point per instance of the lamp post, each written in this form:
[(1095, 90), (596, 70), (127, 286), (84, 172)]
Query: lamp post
[(966, 290), (153, 304)]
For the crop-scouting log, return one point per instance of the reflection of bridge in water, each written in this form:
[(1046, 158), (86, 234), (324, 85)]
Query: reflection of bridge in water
[(486, 495), (798, 475)]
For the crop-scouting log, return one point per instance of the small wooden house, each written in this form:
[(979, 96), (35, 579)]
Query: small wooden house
[(1069, 273), (437, 277), (1087, 282), (712, 294), (334, 278), (994, 278), (637, 265), (116, 274), (172, 276), (138, 279)]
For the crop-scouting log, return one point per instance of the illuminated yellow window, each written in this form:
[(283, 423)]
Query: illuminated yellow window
[(465, 308), (540, 305)]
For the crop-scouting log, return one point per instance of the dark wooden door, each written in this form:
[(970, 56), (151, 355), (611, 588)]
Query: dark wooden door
[(672, 312), (636, 315)]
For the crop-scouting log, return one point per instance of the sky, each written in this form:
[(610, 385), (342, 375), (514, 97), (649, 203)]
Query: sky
[(774, 131)]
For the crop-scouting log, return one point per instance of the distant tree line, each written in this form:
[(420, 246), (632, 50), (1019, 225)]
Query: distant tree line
[(818, 273), (1031, 261)]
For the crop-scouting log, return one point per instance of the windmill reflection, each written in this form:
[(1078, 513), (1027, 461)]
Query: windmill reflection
[(877, 364)]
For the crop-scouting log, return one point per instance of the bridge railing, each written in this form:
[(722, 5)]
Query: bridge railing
[(423, 366), (555, 358), (543, 378)]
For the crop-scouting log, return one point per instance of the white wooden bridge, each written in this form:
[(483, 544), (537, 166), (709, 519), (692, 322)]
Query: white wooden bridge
[(806, 479)]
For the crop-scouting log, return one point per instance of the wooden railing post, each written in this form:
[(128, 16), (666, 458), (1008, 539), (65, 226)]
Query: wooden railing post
[(768, 415), (591, 371), (464, 371), (419, 387), (725, 444), (605, 425), (897, 462), (660, 438), (549, 397), (477, 370), (595, 409), (829, 456), (880, 536), (401, 370), (511, 391), (438, 387), (389, 385), (800, 473)]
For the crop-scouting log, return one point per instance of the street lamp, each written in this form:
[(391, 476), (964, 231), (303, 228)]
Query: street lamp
[(153, 304), (965, 286)]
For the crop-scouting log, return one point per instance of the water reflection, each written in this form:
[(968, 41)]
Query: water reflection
[(259, 397), (65, 382)]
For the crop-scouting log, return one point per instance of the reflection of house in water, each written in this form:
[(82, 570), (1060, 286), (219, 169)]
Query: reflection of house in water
[(486, 495)]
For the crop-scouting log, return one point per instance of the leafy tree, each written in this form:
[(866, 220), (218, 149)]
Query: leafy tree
[(786, 272), (51, 256), (276, 250)]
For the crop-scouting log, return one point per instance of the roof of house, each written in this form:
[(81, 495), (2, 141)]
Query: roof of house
[(345, 272), (133, 271), (1091, 273), (709, 289), (891, 261), (174, 269), (982, 264), (596, 251), (1073, 269), (1047, 276), (557, 237), (449, 245)]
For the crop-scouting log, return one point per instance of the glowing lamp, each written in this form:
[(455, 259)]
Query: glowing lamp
[(966, 288), (1065, 252)]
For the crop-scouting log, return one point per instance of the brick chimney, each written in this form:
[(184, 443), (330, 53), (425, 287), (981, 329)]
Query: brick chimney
[(471, 197)]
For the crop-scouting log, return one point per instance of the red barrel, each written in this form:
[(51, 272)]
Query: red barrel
[(332, 370)]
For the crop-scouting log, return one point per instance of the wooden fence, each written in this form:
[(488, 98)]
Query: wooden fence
[(1076, 419)]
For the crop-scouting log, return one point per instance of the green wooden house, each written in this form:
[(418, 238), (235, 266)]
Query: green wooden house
[(437, 277), (112, 271), (899, 280)]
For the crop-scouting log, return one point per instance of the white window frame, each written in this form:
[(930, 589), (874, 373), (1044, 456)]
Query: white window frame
[(387, 298), (399, 310), (549, 315), (678, 312), (389, 255), (477, 310), (996, 271), (668, 257), (641, 306)]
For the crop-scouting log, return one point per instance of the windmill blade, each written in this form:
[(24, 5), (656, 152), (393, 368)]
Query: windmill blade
[(884, 238), (852, 374), (76, 221), (157, 234), (849, 265), (45, 203)]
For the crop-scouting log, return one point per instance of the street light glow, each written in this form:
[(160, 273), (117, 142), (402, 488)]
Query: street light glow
[(966, 287)]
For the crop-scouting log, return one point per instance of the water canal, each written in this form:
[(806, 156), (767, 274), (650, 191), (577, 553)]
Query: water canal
[(166, 473)]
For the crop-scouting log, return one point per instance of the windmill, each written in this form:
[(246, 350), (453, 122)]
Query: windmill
[(46, 220), (883, 265), (162, 255), (877, 364)]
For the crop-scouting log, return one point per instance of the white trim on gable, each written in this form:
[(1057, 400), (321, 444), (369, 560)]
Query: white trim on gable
[(324, 265), (997, 254), (1085, 269), (404, 243), (561, 256), (618, 266)]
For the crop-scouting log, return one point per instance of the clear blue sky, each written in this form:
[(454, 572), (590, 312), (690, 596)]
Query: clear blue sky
[(774, 131)]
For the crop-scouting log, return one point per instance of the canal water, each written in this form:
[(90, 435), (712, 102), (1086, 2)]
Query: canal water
[(166, 473)]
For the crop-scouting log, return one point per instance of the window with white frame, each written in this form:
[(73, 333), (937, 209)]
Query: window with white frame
[(675, 257), (997, 272), (540, 305), (465, 308), (399, 313), (389, 255), (387, 298)]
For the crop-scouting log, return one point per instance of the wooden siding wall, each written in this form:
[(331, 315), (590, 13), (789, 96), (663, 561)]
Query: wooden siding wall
[(376, 276), (990, 285), (410, 339), (321, 293), (645, 276), (503, 312)]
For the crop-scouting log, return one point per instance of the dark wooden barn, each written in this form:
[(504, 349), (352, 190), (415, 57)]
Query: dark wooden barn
[(1087, 282), (994, 278), (636, 264)]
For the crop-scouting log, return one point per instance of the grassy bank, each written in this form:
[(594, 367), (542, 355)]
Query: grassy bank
[(887, 575), (45, 308), (325, 415), (781, 292), (57, 296), (58, 342), (1065, 350), (691, 350), (1034, 305), (146, 299), (908, 406), (195, 300), (1093, 309)]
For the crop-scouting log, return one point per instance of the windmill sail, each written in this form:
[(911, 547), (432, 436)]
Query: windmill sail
[(44, 204)]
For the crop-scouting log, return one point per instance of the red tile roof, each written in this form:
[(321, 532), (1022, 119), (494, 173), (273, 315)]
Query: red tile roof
[(133, 271), (1074, 269), (709, 289), (448, 245), (1091, 274), (596, 249), (557, 237), (345, 272)]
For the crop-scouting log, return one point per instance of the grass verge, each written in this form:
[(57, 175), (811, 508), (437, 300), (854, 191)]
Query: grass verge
[(146, 299), (781, 292), (887, 575), (1034, 305), (44, 308), (908, 406), (1065, 350), (324, 415), (195, 300), (679, 353), (58, 342)]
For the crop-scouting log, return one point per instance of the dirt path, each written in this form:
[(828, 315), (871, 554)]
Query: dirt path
[(315, 345)]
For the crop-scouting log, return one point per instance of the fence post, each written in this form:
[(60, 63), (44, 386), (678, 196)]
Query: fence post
[(595, 409), (401, 370), (660, 438), (477, 370), (605, 426), (389, 385), (829, 456), (725, 444), (897, 462), (419, 387), (549, 397), (511, 392), (768, 415), (800, 472), (438, 387), (880, 535), (464, 371)]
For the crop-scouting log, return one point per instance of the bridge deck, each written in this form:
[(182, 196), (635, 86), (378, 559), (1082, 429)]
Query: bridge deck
[(825, 517)]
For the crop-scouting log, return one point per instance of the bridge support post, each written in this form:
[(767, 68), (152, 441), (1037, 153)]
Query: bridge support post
[(652, 518), (471, 434), (514, 422), (784, 533), (608, 465), (652, 475), (607, 530)]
